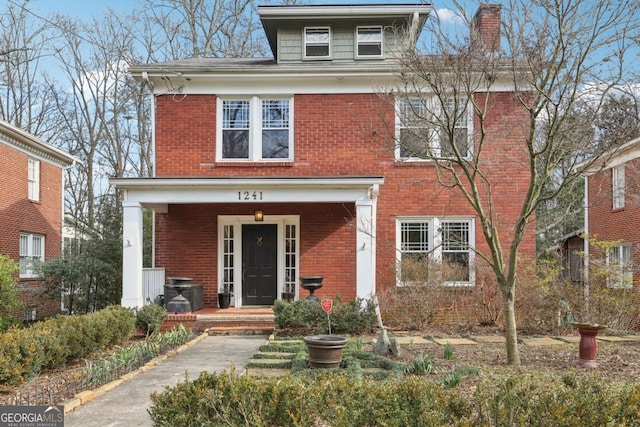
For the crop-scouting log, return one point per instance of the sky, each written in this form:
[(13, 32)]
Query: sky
[(86, 9)]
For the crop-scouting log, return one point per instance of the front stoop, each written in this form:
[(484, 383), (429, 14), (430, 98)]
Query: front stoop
[(224, 322)]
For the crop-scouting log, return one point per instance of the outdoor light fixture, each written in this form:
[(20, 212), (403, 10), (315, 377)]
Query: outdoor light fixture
[(257, 215)]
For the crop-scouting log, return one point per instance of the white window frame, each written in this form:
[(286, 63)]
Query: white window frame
[(288, 257), (309, 42), (426, 110), (33, 179), (434, 247), (618, 189), (620, 260), (362, 41), (31, 249), (256, 126)]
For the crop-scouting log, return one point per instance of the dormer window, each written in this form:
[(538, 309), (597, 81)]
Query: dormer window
[(369, 41), (317, 42)]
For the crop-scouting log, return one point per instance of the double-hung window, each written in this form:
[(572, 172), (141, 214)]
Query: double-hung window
[(255, 129), (31, 251), (33, 179), (317, 42), (618, 186), (428, 129), (619, 261), (369, 41), (435, 250)]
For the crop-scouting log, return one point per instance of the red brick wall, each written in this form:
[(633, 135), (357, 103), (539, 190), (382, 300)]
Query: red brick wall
[(327, 237), (19, 214), (608, 224), (345, 134), (22, 215)]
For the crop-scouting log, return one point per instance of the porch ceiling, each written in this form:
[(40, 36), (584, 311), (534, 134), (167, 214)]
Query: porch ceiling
[(158, 192)]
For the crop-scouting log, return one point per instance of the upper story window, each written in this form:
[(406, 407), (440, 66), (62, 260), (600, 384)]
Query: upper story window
[(255, 129), (317, 42), (31, 251), (428, 130), (33, 180), (369, 41), (435, 250), (618, 187)]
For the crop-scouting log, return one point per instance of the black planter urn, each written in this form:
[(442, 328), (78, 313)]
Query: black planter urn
[(311, 283), (224, 300)]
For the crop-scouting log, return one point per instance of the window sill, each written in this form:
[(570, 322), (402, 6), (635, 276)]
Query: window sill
[(252, 164)]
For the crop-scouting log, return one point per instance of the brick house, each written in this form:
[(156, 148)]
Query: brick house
[(270, 169), (612, 211), (31, 203)]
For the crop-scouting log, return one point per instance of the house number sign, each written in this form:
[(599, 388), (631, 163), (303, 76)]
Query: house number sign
[(249, 195)]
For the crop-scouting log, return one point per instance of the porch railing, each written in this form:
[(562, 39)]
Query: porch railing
[(152, 283)]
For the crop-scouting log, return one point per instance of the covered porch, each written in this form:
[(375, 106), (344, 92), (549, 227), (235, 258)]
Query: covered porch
[(291, 209)]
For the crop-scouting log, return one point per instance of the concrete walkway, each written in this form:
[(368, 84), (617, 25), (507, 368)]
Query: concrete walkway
[(125, 402)]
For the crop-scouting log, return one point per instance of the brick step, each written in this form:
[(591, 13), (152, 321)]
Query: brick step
[(237, 330)]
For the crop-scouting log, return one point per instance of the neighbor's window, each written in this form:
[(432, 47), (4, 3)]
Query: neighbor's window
[(317, 42), (255, 129), (369, 41), (428, 129), (31, 251), (618, 186), (33, 179), (435, 250), (619, 260)]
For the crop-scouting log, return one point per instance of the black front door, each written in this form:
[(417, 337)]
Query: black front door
[(259, 264)]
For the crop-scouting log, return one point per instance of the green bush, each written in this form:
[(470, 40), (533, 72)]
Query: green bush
[(59, 340), (9, 302), (150, 317), (336, 399), (306, 317)]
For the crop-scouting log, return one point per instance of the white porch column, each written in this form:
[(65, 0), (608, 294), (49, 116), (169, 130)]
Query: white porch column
[(132, 255), (365, 249)]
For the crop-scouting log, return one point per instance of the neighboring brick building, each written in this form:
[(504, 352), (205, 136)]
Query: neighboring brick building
[(269, 169), (612, 212), (31, 204)]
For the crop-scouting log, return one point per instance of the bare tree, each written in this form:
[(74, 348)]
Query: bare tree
[(559, 57), (178, 29), (25, 99)]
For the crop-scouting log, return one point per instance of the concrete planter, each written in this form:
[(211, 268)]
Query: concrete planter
[(325, 351)]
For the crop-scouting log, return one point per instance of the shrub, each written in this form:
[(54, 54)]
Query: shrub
[(56, 341), (336, 399), (150, 317), (306, 317), (9, 301)]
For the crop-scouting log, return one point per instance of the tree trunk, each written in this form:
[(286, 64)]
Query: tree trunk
[(511, 333)]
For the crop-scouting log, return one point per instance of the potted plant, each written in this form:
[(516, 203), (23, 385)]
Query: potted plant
[(224, 296)]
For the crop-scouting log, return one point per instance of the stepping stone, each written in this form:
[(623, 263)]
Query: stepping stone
[(491, 339), (612, 338), (454, 341), (574, 339), (542, 342), (408, 340), (271, 362), (276, 355)]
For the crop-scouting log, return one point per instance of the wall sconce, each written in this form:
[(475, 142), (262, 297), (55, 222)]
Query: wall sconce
[(257, 215)]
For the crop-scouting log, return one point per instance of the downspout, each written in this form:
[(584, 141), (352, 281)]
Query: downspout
[(585, 260)]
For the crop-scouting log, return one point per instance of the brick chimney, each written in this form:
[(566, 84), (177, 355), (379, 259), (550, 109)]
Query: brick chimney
[(485, 28)]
